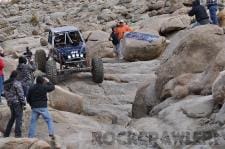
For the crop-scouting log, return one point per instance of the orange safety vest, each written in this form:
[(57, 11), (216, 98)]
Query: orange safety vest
[(121, 30)]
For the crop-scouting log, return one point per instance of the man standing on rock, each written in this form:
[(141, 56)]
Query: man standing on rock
[(120, 30), (37, 98), (115, 41), (15, 99), (213, 6), (200, 14)]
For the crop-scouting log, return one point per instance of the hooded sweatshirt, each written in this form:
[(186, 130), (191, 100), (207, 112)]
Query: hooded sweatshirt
[(25, 73), (198, 11)]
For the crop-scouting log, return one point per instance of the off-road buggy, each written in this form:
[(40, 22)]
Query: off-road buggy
[(67, 55)]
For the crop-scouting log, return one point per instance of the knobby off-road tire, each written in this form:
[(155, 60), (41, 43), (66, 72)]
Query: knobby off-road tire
[(40, 60), (51, 71), (97, 70)]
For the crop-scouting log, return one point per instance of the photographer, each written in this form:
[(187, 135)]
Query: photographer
[(15, 99), (37, 98)]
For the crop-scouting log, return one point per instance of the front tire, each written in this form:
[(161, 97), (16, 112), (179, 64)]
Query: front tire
[(40, 60), (51, 71), (97, 70)]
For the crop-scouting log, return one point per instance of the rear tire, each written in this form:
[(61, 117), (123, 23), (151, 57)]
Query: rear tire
[(97, 70), (51, 71), (40, 60)]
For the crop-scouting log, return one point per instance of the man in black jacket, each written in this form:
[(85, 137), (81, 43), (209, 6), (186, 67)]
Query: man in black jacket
[(37, 98), (115, 41), (200, 13)]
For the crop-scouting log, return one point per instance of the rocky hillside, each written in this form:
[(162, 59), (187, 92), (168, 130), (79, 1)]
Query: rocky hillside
[(165, 94)]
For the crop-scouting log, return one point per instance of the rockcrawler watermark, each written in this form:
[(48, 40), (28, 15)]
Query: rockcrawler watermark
[(152, 138)]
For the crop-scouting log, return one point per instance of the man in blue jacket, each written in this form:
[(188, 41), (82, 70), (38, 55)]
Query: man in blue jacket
[(37, 98)]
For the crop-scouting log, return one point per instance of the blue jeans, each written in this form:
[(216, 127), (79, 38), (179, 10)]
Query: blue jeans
[(116, 48), (36, 112), (213, 16), (1, 85)]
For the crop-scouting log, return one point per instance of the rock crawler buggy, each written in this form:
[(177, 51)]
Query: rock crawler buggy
[(69, 51)]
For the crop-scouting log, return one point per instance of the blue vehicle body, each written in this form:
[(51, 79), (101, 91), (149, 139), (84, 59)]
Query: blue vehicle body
[(68, 49), (65, 49), (75, 51)]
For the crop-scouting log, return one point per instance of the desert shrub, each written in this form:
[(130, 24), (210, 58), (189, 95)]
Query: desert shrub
[(34, 20)]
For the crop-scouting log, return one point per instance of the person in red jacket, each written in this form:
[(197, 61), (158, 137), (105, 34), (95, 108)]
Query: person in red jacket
[(2, 65)]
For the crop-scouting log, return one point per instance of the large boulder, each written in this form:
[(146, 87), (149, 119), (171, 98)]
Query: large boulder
[(23, 143), (188, 83), (100, 49), (218, 88), (139, 49), (20, 44), (152, 25), (192, 53), (145, 100), (43, 42), (64, 100), (201, 108), (98, 36), (175, 23), (98, 44)]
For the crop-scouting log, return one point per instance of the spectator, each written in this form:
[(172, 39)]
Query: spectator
[(2, 65), (115, 41), (37, 98), (15, 99), (213, 6), (200, 14), (120, 30), (28, 54), (25, 73)]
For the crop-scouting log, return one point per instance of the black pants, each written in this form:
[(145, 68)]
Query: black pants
[(16, 114)]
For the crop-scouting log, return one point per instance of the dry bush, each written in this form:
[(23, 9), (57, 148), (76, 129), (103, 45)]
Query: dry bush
[(34, 20)]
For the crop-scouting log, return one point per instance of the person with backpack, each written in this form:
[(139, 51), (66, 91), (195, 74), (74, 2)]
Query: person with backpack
[(115, 41), (25, 71), (37, 98), (15, 99), (200, 14), (213, 6)]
